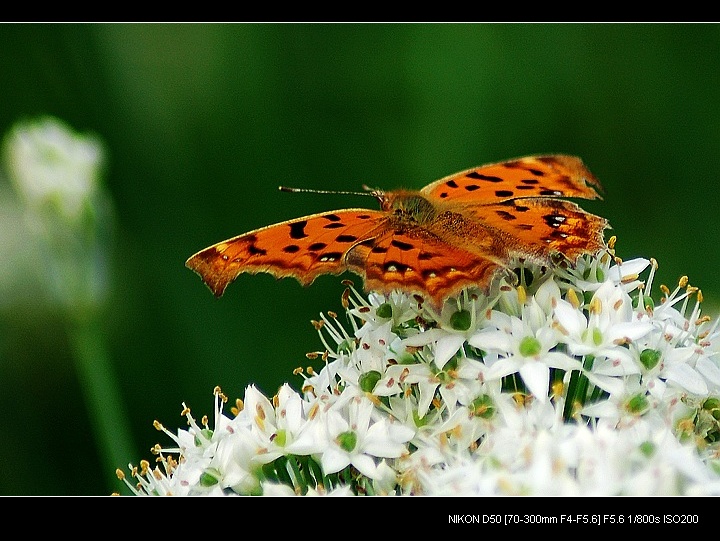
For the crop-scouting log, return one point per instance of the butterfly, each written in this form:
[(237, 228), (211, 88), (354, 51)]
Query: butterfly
[(456, 232)]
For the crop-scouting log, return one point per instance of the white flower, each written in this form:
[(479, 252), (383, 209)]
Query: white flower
[(455, 324), (354, 439), (51, 165), (525, 345), (608, 328)]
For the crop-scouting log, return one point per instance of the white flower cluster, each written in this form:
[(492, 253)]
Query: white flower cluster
[(568, 381), (50, 164), (58, 216)]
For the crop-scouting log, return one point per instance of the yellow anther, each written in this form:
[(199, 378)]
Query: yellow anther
[(522, 295), (629, 278), (313, 411), (317, 324), (572, 298), (260, 412)]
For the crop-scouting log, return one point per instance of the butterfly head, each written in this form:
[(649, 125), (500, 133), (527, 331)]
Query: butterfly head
[(407, 206)]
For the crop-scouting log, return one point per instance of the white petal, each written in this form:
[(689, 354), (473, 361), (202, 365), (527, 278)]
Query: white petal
[(610, 384), (605, 408), (365, 465), (491, 340), (708, 369), (447, 347), (501, 368), (634, 266), (633, 330), (570, 318), (536, 375), (425, 338), (333, 460), (555, 359), (687, 378)]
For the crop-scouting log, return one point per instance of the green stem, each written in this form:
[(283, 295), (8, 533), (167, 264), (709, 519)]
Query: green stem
[(106, 410)]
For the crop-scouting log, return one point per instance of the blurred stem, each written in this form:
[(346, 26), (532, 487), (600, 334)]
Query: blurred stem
[(102, 396)]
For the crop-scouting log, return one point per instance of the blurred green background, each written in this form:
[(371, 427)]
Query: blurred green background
[(202, 122)]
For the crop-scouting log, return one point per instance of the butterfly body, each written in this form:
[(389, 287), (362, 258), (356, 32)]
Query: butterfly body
[(456, 232)]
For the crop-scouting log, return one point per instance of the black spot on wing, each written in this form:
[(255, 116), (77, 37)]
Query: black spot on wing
[(506, 215), (254, 250), (404, 246), (297, 230), (554, 220), (346, 238), (487, 178)]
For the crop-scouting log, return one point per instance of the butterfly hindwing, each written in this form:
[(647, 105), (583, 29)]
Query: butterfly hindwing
[(541, 228), (419, 261)]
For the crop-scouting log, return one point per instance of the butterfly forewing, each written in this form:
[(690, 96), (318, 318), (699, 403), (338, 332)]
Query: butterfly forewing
[(303, 248), (533, 176)]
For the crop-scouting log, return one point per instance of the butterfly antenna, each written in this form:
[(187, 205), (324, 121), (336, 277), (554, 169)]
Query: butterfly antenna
[(371, 192)]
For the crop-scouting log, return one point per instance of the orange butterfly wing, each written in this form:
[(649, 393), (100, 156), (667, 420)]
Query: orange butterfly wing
[(542, 228), (517, 198), (303, 248), (416, 260), (532, 176)]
